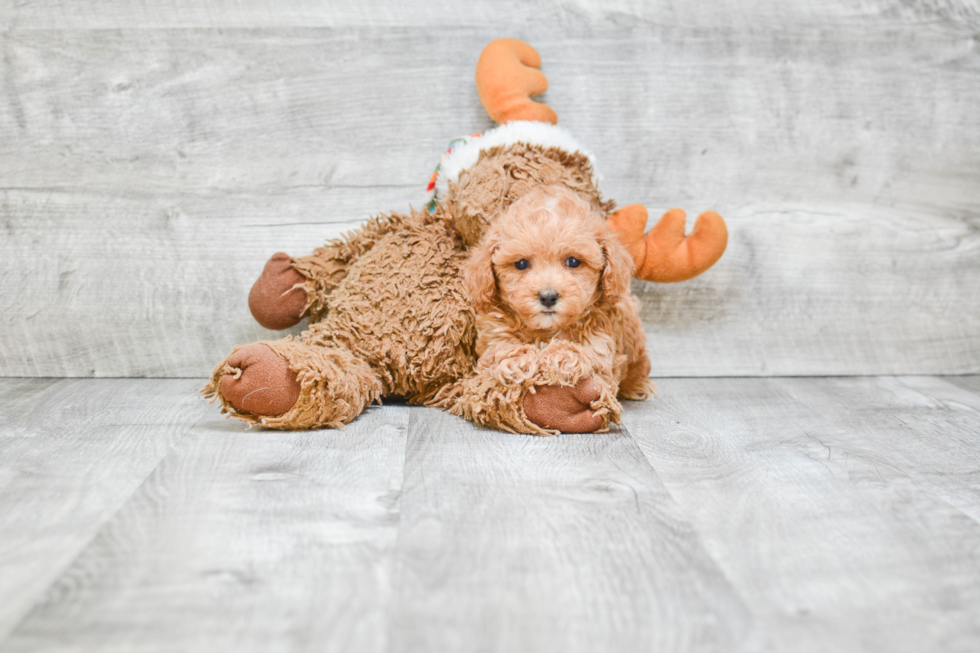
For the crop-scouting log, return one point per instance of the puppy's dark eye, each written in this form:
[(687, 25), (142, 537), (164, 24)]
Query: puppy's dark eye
[(572, 262), (522, 264)]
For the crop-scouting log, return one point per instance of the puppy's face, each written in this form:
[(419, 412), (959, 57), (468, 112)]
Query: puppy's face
[(549, 258), (548, 271)]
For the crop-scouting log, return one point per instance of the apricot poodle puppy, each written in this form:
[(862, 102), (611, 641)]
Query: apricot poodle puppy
[(559, 335)]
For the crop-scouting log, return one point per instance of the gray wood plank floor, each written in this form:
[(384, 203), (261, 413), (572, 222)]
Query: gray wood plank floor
[(71, 454), (741, 514)]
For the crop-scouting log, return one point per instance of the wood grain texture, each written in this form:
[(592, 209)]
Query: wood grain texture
[(72, 453), (161, 291), (241, 541), (841, 289), (516, 543), (938, 421), (793, 514), (843, 510), (840, 146), (750, 14), (970, 383)]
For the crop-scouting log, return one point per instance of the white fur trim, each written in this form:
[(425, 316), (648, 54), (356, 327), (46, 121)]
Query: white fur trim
[(519, 131)]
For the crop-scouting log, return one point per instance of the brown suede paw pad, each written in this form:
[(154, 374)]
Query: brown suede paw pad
[(565, 408), (262, 383)]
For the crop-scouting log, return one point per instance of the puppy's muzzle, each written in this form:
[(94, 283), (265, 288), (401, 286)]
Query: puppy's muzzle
[(548, 298)]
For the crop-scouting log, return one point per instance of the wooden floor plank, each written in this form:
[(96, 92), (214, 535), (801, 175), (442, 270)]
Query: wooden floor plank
[(520, 543), (928, 428), (241, 540), (20, 399), (72, 452), (968, 383), (729, 514), (819, 499)]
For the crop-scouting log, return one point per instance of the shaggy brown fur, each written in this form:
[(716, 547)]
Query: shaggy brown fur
[(550, 284), (395, 322), (503, 175), (389, 316), (327, 266)]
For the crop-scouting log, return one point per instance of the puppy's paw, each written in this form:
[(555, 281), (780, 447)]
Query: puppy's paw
[(637, 389), (259, 381), (566, 363), (637, 385), (566, 408), (278, 300)]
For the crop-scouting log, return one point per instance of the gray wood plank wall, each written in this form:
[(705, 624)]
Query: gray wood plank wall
[(153, 155)]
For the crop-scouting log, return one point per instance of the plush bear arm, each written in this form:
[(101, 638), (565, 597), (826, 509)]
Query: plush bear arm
[(565, 408), (278, 297), (290, 289), (566, 386)]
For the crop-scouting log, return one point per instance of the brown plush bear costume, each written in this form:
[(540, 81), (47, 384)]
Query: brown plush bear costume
[(388, 314)]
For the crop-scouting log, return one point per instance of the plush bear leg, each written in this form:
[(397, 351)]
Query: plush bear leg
[(290, 384), (260, 381)]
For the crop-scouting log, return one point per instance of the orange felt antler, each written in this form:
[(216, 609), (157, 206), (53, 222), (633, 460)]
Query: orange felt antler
[(665, 254), (507, 77)]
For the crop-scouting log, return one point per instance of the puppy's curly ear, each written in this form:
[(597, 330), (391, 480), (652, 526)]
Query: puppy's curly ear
[(478, 278), (618, 270)]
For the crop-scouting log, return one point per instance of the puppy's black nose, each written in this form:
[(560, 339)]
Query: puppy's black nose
[(548, 298)]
